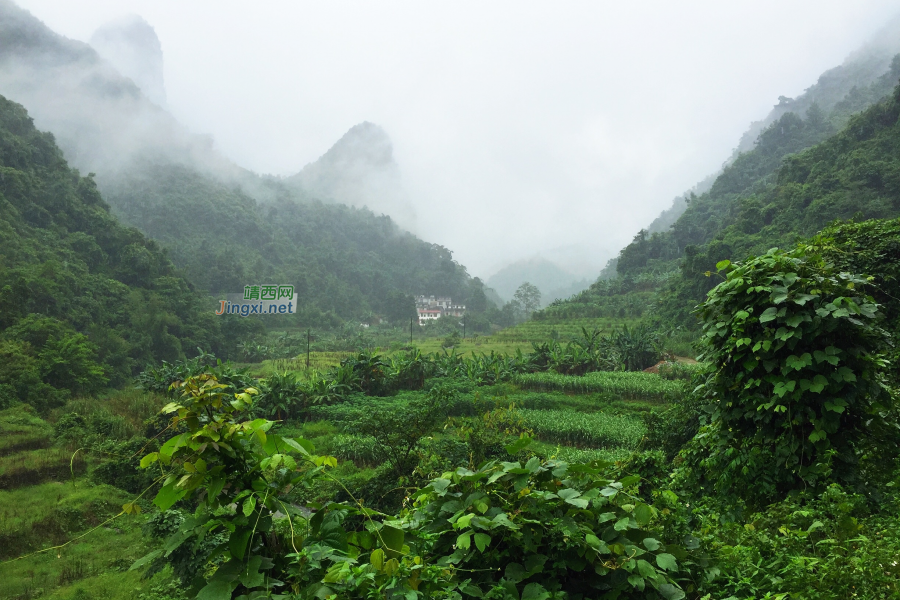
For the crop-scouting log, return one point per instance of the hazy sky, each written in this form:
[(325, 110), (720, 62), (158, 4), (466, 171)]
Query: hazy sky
[(520, 127)]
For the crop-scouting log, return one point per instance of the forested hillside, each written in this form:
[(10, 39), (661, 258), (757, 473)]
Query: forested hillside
[(344, 261), (753, 173), (803, 173), (84, 301), (861, 80), (226, 227)]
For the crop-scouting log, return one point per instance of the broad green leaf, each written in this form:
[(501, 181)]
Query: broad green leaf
[(168, 495), (578, 502), (249, 506), (768, 315), (535, 591), (440, 485), (646, 569), (519, 445), (629, 481), (567, 493), (168, 449), (377, 558), (482, 541), (464, 541), (608, 516), (795, 320), (670, 592), (391, 567), (216, 590), (651, 544), (237, 543), (145, 560), (667, 562), (250, 575), (637, 581), (464, 521), (305, 448), (642, 514), (149, 459), (215, 486)]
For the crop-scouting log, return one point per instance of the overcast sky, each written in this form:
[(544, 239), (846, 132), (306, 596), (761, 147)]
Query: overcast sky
[(521, 128)]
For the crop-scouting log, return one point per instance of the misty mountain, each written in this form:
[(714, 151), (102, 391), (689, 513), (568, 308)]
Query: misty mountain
[(755, 172), (101, 119), (841, 91), (553, 281), (130, 45), (223, 225), (853, 174), (359, 170)]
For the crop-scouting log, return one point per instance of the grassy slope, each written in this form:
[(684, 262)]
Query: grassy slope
[(43, 506)]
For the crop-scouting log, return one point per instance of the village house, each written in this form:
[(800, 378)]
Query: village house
[(431, 308)]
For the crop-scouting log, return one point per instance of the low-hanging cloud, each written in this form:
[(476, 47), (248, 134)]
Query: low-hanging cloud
[(519, 128)]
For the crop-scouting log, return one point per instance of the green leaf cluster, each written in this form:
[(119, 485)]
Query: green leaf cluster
[(794, 385)]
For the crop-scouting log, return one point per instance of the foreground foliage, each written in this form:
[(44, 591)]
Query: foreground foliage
[(507, 530), (795, 397)]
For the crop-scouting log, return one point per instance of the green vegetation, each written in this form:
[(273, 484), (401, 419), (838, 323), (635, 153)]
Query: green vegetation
[(426, 473), (84, 302), (797, 384), (537, 462), (621, 383), (344, 262), (592, 430)]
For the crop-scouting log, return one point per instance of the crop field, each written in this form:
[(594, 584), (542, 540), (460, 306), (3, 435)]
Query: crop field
[(318, 361), (564, 330), (520, 337), (474, 346), (591, 430), (631, 385)]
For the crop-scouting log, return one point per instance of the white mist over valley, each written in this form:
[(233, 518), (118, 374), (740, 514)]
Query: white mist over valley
[(516, 130)]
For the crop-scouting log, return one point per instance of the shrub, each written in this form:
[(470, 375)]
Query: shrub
[(793, 393)]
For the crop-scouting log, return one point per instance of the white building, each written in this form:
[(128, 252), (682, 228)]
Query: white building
[(434, 307), (427, 314)]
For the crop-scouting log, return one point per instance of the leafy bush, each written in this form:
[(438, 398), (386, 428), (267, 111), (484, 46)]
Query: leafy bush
[(814, 546), (281, 396), (794, 392), (43, 362)]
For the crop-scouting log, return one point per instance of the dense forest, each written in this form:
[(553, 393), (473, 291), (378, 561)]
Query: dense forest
[(85, 301)]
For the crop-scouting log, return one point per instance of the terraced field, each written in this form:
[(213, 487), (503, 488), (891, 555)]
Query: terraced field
[(630, 385), (520, 337)]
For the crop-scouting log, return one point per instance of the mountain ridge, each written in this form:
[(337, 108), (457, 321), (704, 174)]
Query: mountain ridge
[(225, 226)]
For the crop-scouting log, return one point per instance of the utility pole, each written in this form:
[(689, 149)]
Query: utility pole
[(464, 326), (410, 331), (307, 350)]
